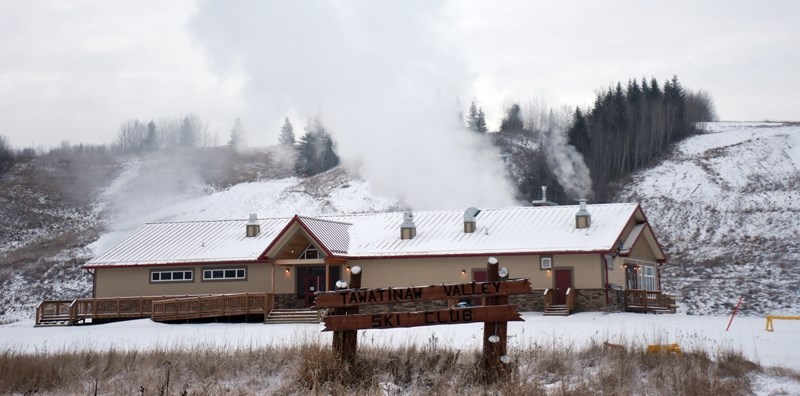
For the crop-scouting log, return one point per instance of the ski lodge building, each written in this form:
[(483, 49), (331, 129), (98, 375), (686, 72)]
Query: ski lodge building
[(577, 257)]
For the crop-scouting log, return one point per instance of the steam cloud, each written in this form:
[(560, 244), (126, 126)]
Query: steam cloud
[(566, 162), (383, 75)]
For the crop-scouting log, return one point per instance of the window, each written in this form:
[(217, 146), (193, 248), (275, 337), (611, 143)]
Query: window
[(546, 262), (171, 276), (224, 274), (311, 253), (649, 277)]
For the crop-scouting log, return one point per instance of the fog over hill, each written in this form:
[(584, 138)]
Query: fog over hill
[(724, 205)]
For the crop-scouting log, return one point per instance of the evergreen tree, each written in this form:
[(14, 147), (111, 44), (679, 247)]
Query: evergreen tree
[(151, 139), (6, 155), (287, 133), (315, 152), (481, 122), (512, 122), (189, 131), (627, 128), (578, 133), (476, 119), (236, 140)]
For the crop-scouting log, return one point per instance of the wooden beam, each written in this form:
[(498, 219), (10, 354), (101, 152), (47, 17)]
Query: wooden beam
[(299, 261), (388, 320), (350, 298)]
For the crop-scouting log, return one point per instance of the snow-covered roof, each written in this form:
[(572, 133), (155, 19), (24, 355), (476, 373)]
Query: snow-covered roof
[(189, 242), (498, 231), (519, 230)]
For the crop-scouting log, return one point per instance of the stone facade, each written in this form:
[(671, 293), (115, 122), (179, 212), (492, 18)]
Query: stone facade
[(595, 300), (289, 301)]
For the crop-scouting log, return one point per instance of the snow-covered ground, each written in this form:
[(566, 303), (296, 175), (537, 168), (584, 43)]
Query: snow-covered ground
[(706, 333), (726, 205)]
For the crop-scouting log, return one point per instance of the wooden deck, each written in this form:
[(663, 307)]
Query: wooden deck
[(649, 301), (157, 308)]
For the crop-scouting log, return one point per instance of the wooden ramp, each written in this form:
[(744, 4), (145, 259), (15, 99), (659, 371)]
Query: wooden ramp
[(157, 308)]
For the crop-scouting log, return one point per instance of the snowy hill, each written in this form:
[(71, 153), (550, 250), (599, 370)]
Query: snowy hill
[(726, 207), (146, 189)]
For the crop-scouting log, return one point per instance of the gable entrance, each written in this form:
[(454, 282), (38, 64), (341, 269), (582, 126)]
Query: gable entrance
[(311, 279)]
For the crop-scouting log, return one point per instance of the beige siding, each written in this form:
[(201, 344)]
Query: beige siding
[(285, 281), (587, 273), (135, 281), (617, 275), (428, 271), (586, 269), (641, 250), (420, 272)]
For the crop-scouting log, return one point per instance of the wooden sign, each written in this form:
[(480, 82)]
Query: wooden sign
[(388, 320), (351, 298)]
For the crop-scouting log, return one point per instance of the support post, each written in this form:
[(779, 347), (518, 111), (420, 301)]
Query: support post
[(345, 342), (494, 333)]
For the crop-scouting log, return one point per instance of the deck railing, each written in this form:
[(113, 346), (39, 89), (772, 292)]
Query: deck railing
[(571, 299), (648, 300), (174, 307), (548, 298), (57, 310), (198, 307)]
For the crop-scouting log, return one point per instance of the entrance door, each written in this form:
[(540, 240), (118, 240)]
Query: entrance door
[(631, 277), (563, 282), (311, 279)]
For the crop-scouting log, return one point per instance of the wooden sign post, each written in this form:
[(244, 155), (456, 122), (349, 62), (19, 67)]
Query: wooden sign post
[(345, 341), (495, 334), (346, 320)]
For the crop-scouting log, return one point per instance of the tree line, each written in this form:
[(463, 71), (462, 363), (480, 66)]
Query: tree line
[(627, 128)]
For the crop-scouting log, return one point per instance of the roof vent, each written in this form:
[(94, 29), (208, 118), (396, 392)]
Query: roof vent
[(470, 216), (583, 218), (408, 229), (543, 201), (253, 227)]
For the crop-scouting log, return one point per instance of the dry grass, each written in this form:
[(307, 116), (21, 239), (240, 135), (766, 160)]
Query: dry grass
[(313, 369)]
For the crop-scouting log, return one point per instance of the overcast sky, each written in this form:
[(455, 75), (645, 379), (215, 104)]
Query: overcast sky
[(75, 70)]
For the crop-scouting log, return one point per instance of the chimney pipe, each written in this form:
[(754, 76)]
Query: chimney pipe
[(470, 219), (408, 230), (252, 228), (583, 218)]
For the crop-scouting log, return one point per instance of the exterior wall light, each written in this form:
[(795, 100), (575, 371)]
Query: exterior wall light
[(287, 270), (463, 272)]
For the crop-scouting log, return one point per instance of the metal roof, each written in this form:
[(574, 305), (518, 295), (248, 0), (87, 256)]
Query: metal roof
[(189, 242), (517, 230)]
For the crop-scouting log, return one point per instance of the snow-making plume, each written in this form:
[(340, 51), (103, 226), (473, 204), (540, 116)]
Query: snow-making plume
[(566, 162), (384, 76)]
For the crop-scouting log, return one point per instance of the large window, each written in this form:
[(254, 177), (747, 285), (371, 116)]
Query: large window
[(649, 277), (171, 276), (214, 274), (311, 253)]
